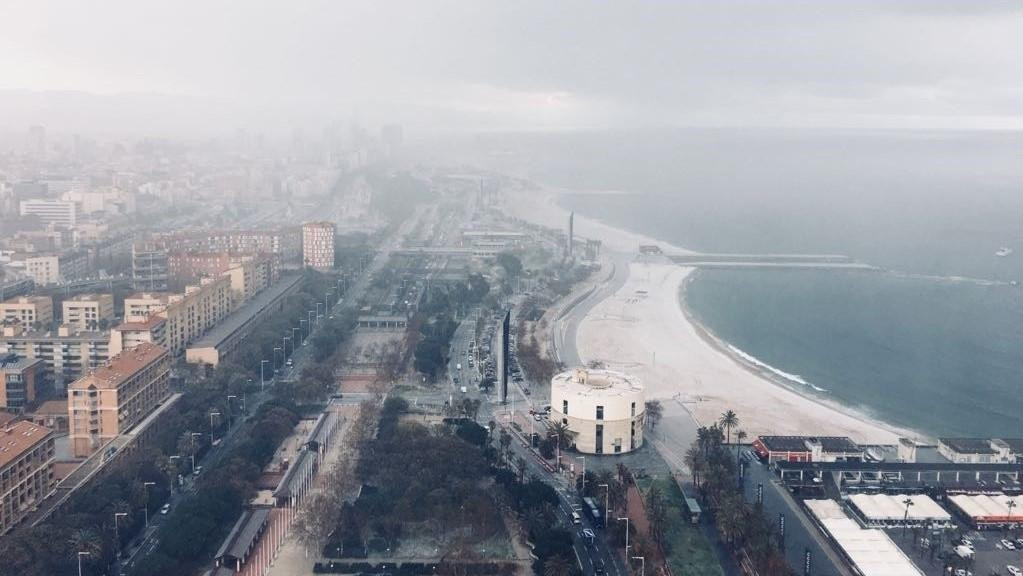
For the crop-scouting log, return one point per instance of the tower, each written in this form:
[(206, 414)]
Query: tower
[(502, 356)]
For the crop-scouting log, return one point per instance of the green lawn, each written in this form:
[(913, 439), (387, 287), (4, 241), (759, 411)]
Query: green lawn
[(687, 548)]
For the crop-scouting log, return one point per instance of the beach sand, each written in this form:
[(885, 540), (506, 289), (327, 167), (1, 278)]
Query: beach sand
[(644, 330)]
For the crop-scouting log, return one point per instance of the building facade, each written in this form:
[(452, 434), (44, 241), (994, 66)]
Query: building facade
[(149, 267), (191, 314), (318, 245), (116, 396), (66, 354), (605, 409), (58, 212), (89, 311), (19, 379), (138, 307), (128, 335), (26, 470), (28, 311)]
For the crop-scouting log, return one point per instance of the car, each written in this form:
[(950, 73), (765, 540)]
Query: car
[(1008, 545), (536, 417), (289, 362), (1019, 543), (1013, 570), (197, 471), (165, 509), (588, 535), (577, 519), (599, 569)]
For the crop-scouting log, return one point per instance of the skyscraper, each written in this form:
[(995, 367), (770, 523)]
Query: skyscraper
[(318, 245)]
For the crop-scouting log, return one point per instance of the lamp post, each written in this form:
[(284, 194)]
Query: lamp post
[(230, 413), (642, 564), (276, 348), (284, 348), (194, 434), (117, 535), (607, 500), (318, 310), (557, 442), (626, 520), (1010, 504), (80, 554), (305, 331), (213, 431), (262, 379), (312, 320), (145, 497), (294, 338), (173, 474)]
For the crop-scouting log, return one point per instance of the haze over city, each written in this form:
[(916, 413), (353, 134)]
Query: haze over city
[(556, 288)]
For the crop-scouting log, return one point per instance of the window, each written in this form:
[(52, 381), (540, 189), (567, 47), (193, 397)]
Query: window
[(633, 409), (564, 407), (599, 443), (600, 412)]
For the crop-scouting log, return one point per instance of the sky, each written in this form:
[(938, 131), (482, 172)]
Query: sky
[(523, 65)]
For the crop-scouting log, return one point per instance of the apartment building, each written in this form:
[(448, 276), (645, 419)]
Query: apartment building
[(29, 311), (19, 379), (318, 245), (66, 354), (128, 335), (251, 276), (138, 307), (89, 311), (47, 269), (149, 267), (191, 314), (58, 212), (283, 242), (26, 470), (116, 396)]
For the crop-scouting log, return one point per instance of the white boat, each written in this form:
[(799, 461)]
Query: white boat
[(1003, 252)]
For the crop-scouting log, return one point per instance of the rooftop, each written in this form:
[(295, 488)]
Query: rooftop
[(122, 367), (29, 300), (58, 407), (968, 445), (830, 444), (243, 535), (597, 381), (86, 297), (150, 322), (17, 438), (15, 365)]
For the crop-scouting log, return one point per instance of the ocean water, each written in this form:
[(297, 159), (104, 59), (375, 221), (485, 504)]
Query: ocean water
[(933, 342)]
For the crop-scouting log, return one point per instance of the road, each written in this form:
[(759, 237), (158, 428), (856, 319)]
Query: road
[(565, 327)]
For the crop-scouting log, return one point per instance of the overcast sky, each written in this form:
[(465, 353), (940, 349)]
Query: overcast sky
[(536, 65)]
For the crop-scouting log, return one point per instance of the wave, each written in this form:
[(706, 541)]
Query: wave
[(778, 372)]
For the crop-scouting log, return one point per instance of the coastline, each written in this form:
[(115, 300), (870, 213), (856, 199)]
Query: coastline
[(636, 327)]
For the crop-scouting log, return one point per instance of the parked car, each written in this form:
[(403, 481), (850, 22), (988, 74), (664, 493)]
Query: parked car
[(165, 509), (1013, 570), (1008, 545)]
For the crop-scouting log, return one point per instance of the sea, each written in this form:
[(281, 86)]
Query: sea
[(932, 341)]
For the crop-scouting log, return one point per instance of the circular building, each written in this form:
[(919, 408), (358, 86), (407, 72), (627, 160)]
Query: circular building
[(603, 407)]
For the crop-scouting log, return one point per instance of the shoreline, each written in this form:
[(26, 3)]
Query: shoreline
[(727, 349), (607, 331)]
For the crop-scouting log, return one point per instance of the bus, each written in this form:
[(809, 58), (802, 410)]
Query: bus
[(594, 512)]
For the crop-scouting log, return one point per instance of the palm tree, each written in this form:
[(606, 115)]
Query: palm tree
[(520, 464), (561, 433), (656, 511), (85, 540), (623, 473), (728, 419), (739, 437), (653, 412), (557, 566), (533, 519), (694, 461)]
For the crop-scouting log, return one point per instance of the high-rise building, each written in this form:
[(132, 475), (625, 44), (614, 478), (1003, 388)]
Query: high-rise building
[(29, 311), (89, 311), (58, 212), (115, 397), (26, 470), (191, 314), (149, 267), (318, 245)]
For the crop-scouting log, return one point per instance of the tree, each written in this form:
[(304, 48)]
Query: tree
[(560, 432), (520, 464), (558, 566), (510, 263), (657, 512), (728, 420), (654, 411)]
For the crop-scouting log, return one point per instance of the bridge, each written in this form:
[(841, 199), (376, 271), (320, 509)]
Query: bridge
[(766, 261)]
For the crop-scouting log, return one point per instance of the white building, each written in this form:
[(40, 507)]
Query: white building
[(60, 212), (318, 245), (604, 409), (88, 311)]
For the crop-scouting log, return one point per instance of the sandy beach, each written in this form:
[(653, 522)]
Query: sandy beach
[(644, 330)]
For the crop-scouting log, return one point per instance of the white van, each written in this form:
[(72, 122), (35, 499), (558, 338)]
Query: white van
[(576, 518)]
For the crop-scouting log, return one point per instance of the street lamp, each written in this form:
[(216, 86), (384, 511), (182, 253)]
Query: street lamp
[(213, 437), (284, 350), (312, 320), (80, 554), (276, 348), (293, 338), (117, 536), (145, 497), (194, 434), (318, 310), (1011, 504), (905, 517), (305, 331), (230, 413), (607, 499), (173, 474), (626, 520), (642, 564), (262, 379)]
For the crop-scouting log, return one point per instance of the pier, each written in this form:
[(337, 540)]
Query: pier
[(777, 261)]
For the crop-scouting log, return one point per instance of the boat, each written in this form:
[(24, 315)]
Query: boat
[(1003, 252)]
